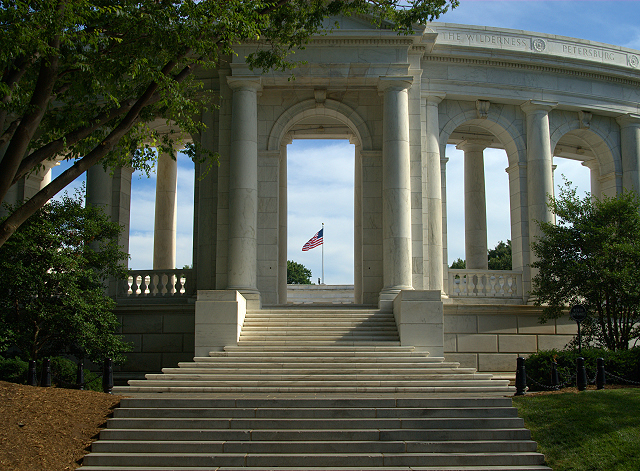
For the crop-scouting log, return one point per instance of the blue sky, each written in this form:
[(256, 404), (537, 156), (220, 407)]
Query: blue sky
[(321, 172)]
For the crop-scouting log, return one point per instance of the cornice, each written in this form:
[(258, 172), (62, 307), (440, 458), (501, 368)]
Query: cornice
[(533, 67)]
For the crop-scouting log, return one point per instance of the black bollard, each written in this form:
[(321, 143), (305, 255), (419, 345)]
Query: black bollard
[(80, 376), (32, 377), (521, 378), (555, 381), (107, 376), (581, 374), (600, 377), (45, 381)]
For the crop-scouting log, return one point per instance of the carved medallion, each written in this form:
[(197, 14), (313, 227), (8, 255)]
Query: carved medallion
[(538, 45)]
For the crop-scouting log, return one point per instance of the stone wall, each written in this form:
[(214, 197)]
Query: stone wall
[(491, 337), (162, 335), (482, 336)]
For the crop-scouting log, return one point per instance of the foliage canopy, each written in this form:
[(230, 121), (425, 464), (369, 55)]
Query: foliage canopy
[(297, 274), (84, 78), (499, 258), (591, 257), (52, 300)]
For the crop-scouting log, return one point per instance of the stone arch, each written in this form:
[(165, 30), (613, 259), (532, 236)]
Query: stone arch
[(504, 122), (501, 127), (602, 143), (331, 108)]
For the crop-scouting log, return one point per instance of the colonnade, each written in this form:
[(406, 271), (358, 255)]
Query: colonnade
[(396, 188)]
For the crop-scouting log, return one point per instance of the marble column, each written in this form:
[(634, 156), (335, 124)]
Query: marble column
[(433, 175), (166, 216), (396, 188), (99, 188), (539, 165), (594, 173), (475, 206), (243, 185), (630, 149), (357, 225), (282, 222)]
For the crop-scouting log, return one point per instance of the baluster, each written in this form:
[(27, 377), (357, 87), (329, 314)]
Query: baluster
[(499, 285), (472, 285), (166, 284), (144, 285), (134, 286), (179, 284), (485, 284)]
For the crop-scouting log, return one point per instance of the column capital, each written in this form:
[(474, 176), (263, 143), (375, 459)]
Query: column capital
[(538, 105), (629, 119), (397, 83), (477, 145), (432, 97), (591, 164), (244, 83)]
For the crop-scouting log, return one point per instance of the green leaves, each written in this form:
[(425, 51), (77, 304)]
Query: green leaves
[(591, 256), (54, 302)]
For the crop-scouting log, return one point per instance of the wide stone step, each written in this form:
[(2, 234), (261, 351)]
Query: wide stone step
[(418, 379), (311, 330), (313, 459), (337, 412), (312, 468), (355, 402), (315, 368), (289, 341), (169, 446), (309, 423), (381, 348), (180, 435)]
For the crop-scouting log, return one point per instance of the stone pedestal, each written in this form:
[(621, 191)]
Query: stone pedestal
[(218, 320), (419, 317)]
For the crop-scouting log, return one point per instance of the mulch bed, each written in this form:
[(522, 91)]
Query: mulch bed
[(49, 429)]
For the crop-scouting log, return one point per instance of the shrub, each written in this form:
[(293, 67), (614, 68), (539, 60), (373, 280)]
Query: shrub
[(623, 363)]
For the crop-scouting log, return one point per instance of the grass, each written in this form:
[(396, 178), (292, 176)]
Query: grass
[(586, 431)]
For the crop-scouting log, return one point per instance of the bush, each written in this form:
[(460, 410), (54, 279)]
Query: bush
[(623, 363), (63, 373), (13, 370)]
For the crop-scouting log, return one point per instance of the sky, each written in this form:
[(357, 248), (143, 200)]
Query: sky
[(321, 173)]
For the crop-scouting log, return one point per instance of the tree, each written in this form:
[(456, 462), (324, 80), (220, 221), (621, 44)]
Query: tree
[(297, 274), (591, 257), (52, 298), (459, 264), (500, 256), (84, 78)]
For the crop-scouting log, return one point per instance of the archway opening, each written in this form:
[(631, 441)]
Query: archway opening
[(320, 189)]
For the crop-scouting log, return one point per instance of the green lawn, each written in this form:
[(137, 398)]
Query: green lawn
[(591, 430)]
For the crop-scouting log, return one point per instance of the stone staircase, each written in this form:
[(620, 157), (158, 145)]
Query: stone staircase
[(319, 350), (316, 389)]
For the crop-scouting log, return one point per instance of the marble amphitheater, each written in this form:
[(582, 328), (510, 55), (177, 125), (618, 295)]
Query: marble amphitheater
[(378, 375)]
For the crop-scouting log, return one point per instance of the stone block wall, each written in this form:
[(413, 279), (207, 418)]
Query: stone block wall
[(162, 335), (491, 337)]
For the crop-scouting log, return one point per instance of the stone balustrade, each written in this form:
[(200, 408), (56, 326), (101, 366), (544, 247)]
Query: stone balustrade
[(485, 284), (145, 284)]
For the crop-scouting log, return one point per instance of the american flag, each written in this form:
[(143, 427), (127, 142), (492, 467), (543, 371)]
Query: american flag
[(314, 241)]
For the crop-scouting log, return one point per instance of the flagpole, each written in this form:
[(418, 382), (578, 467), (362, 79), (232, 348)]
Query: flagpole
[(323, 253)]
